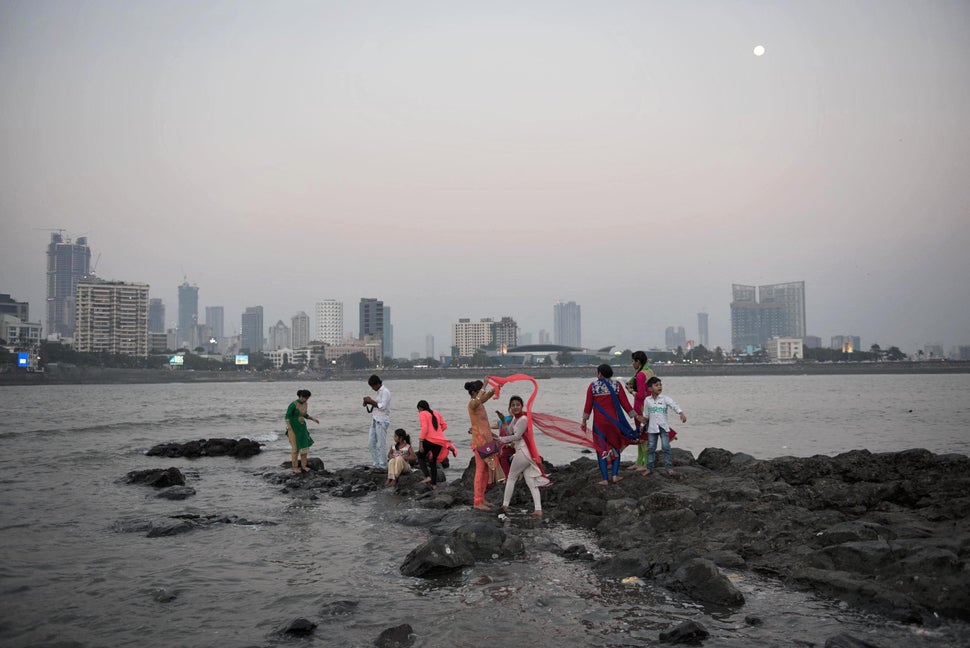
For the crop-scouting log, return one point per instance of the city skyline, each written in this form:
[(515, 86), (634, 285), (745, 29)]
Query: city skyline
[(402, 153)]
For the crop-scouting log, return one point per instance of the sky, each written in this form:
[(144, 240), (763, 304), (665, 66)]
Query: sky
[(482, 159)]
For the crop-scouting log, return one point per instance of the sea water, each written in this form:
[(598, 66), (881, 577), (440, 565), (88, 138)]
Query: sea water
[(70, 575)]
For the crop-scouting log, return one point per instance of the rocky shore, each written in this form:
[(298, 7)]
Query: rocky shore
[(887, 533)]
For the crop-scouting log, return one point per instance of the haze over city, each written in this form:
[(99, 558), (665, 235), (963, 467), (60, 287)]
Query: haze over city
[(485, 159)]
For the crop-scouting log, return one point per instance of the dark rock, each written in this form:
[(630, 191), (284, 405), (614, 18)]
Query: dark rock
[(844, 640), (577, 552), (157, 477), (336, 610), (176, 493), (241, 449), (486, 541), (686, 633), (397, 637), (702, 581), (300, 628), (715, 458), (437, 556), (752, 620), (170, 527)]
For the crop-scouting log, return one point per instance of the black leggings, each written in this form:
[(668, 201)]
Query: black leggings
[(429, 451)]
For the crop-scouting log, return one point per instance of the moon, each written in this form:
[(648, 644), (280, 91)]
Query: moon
[(759, 50)]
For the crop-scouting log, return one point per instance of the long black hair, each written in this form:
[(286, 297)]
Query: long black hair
[(400, 432), (424, 407), (473, 386)]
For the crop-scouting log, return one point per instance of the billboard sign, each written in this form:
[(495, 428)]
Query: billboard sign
[(242, 359), (23, 359)]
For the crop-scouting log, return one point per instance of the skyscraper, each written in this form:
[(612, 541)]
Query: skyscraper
[(702, 331), (215, 319), (567, 328), (387, 340), (66, 263), (428, 346), (251, 338), (777, 311), (505, 334), (112, 317), (279, 336), (156, 315), (188, 316), (675, 337), (330, 321), (300, 330), (371, 318)]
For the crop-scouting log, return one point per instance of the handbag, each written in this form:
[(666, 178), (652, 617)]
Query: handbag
[(487, 449)]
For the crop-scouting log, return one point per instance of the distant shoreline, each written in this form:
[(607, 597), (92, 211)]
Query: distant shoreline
[(108, 376)]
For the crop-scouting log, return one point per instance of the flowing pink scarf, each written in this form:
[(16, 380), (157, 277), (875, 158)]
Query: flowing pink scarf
[(539, 420)]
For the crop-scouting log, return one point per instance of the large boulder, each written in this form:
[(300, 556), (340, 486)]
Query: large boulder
[(702, 581), (439, 555), (157, 477)]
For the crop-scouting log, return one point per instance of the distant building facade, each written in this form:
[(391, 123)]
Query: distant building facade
[(468, 336), (703, 338), (112, 317), (278, 336), (781, 349), (846, 343), (10, 306), (429, 346), (300, 330), (330, 321), (188, 316), (675, 337), (505, 334), (67, 263), (215, 319), (387, 339), (156, 315), (567, 324), (252, 330), (761, 313), (16, 332)]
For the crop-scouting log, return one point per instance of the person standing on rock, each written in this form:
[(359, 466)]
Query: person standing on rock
[(380, 422), (637, 385), (481, 431), (611, 430), (522, 462), (297, 433), (657, 427)]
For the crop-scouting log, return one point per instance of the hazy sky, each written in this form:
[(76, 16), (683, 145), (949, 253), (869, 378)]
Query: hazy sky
[(489, 158)]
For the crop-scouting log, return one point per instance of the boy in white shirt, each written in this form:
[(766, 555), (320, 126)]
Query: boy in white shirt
[(655, 407)]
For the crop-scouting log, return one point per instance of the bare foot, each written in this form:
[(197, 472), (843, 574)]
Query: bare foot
[(670, 473), (482, 507), (536, 514), (647, 473), (305, 469), (426, 480), (297, 471), (602, 483), (505, 509), (617, 478)]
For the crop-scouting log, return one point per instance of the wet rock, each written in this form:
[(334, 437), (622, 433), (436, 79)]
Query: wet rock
[(844, 640), (176, 493), (439, 555), (300, 627), (399, 636), (157, 477), (577, 552), (336, 610), (688, 632), (702, 580), (240, 449), (752, 620), (487, 541)]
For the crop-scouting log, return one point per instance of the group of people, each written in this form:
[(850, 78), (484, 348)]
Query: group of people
[(504, 450)]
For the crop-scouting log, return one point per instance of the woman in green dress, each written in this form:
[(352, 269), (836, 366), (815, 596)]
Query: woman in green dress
[(297, 433)]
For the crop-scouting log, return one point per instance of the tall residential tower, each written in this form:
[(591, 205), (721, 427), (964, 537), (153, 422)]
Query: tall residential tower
[(67, 262)]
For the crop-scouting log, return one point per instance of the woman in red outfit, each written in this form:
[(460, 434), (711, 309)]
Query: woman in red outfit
[(611, 430)]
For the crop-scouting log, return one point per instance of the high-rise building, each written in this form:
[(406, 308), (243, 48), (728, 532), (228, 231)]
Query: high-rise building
[(387, 340), (371, 318), (67, 262), (846, 343), (330, 321), (188, 316), (567, 324), (505, 334), (468, 336), (300, 330), (215, 319), (429, 346), (278, 337), (112, 317), (675, 337), (702, 331), (543, 336), (759, 314), (156, 315), (252, 330)]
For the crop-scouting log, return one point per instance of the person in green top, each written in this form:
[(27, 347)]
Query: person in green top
[(638, 387), (297, 433)]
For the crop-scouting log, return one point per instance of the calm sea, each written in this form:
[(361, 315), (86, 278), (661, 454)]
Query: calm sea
[(70, 577)]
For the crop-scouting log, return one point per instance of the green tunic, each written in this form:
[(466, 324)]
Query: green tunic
[(293, 416)]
